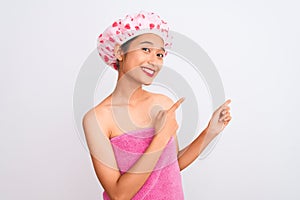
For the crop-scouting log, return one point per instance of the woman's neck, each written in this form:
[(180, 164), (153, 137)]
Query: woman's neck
[(127, 92)]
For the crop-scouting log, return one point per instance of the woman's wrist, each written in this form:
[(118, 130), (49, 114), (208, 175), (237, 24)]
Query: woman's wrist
[(161, 139), (209, 134)]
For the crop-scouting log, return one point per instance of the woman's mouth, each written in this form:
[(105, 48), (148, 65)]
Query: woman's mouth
[(148, 71)]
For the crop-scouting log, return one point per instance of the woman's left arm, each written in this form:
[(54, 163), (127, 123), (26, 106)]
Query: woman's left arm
[(217, 123)]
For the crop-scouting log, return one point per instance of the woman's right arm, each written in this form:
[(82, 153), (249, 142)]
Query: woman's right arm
[(125, 186)]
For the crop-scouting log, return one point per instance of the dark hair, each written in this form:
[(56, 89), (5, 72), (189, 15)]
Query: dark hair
[(124, 47)]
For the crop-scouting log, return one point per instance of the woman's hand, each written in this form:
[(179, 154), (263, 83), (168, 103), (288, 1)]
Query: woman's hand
[(165, 123), (219, 120)]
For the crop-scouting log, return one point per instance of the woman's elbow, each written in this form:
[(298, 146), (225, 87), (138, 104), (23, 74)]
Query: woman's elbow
[(119, 196)]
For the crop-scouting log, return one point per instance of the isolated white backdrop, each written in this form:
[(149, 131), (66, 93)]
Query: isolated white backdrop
[(254, 45)]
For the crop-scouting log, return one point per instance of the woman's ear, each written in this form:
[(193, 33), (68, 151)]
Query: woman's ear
[(118, 52)]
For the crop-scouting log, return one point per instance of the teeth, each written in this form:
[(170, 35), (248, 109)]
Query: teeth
[(148, 70)]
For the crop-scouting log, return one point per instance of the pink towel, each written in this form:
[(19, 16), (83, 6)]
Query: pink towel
[(164, 181)]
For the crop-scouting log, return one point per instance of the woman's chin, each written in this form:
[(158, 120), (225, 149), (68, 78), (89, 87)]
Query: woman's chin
[(147, 80), (148, 83)]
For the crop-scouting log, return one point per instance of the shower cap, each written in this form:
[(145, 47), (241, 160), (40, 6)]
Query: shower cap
[(122, 30)]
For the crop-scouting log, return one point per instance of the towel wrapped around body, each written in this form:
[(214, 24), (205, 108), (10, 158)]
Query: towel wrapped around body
[(165, 180)]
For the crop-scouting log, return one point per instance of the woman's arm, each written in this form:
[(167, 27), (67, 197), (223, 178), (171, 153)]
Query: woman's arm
[(217, 123), (187, 155), (125, 186)]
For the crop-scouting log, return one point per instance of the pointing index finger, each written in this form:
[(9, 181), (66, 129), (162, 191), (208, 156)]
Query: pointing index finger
[(176, 105), (225, 104)]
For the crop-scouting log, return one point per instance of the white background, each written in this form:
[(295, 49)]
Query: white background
[(254, 45)]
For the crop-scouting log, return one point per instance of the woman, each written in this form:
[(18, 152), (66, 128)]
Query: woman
[(131, 134)]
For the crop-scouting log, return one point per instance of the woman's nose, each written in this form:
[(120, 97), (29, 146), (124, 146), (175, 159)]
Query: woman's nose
[(154, 60)]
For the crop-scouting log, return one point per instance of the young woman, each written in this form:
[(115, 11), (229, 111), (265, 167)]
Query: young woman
[(131, 134)]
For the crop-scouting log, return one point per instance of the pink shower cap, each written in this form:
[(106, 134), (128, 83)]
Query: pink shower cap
[(122, 30)]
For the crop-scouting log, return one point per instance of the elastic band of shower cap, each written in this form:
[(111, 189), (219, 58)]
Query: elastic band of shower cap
[(122, 30)]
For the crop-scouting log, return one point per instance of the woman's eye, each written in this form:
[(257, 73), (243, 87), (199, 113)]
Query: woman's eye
[(146, 49), (160, 55)]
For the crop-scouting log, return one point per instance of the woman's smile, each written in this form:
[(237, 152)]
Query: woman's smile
[(148, 71)]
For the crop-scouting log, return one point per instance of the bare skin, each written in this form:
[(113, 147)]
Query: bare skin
[(129, 107)]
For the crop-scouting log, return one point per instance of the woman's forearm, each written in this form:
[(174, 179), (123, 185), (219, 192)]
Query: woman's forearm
[(187, 155)]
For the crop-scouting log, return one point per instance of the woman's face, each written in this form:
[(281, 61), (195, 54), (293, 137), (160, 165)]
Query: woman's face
[(144, 58)]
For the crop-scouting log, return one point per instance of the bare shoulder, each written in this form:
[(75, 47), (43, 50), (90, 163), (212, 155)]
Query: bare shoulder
[(165, 101), (97, 118)]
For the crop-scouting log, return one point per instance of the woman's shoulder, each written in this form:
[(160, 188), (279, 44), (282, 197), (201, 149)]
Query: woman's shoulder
[(100, 115), (162, 100), (101, 108)]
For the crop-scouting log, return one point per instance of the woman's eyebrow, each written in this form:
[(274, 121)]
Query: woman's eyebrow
[(147, 42)]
